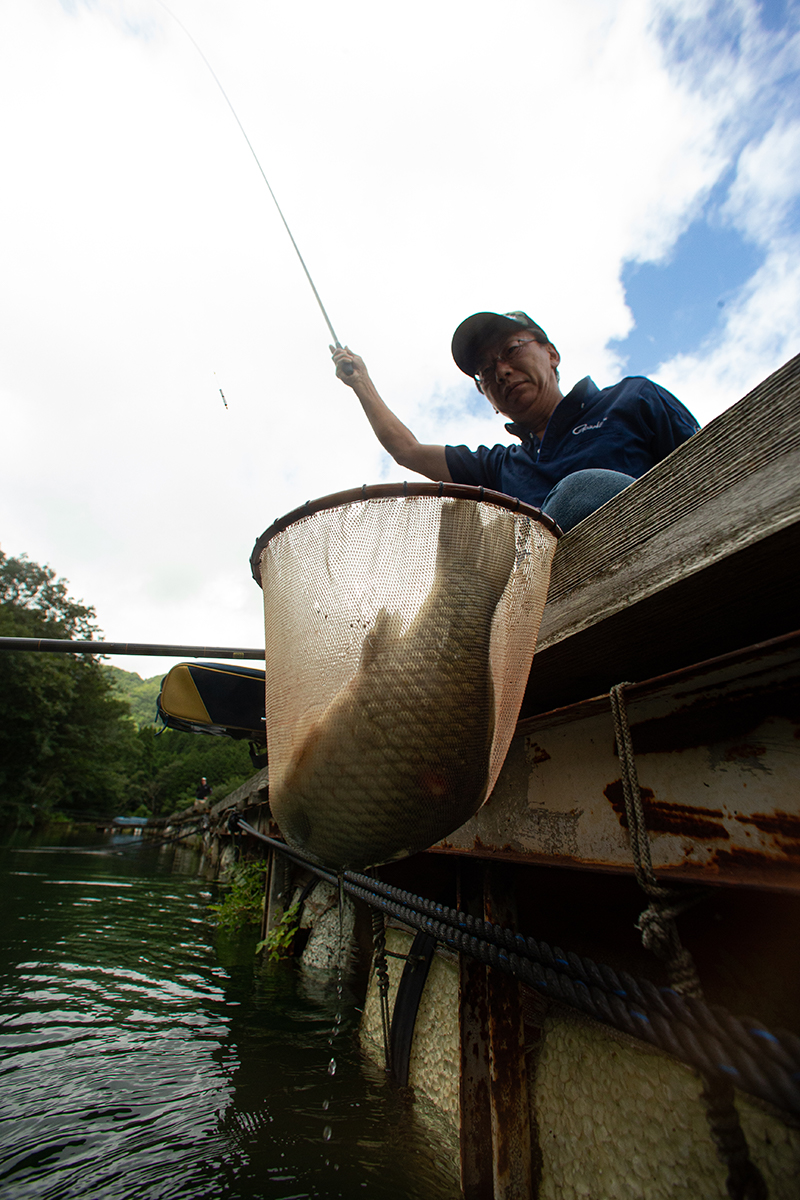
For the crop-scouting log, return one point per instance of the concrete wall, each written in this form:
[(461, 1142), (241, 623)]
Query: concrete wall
[(612, 1120), (434, 1065)]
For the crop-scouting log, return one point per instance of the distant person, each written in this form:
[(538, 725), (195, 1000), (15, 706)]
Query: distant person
[(201, 795), (575, 452)]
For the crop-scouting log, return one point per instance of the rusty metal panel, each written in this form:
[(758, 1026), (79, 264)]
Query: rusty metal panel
[(475, 1129), (718, 755), (494, 1100), (475, 1120), (510, 1106)]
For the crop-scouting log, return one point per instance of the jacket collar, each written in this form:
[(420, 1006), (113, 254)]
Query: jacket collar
[(585, 389)]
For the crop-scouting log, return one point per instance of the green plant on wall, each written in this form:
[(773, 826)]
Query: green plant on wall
[(243, 907), (279, 941)]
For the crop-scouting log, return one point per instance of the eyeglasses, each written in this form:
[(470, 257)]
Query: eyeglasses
[(509, 356)]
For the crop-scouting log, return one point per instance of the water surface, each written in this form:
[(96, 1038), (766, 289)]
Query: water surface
[(143, 1056)]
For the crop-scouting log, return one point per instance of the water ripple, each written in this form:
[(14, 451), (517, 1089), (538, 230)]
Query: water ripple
[(142, 1062)]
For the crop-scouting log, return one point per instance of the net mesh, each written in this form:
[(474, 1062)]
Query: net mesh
[(400, 633)]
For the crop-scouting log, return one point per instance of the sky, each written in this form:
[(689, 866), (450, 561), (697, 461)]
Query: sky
[(626, 171)]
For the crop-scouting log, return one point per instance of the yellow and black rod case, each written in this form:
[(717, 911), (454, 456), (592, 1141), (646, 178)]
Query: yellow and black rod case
[(226, 700)]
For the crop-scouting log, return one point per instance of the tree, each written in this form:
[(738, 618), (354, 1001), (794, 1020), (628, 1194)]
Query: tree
[(170, 766), (64, 741), (141, 694)]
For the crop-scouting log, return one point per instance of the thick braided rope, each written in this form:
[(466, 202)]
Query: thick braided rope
[(755, 1059), (683, 1027)]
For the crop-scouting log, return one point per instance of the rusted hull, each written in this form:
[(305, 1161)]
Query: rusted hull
[(718, 755)]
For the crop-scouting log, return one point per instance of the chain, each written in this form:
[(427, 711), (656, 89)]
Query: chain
[(382, 973)]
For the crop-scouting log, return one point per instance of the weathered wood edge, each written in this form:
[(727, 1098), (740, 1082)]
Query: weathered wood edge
[(733, 483)]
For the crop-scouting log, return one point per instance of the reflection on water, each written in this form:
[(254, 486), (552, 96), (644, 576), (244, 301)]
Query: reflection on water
[(141, 1059)]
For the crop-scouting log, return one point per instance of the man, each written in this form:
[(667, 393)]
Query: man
[(576, 451), (204, 790)]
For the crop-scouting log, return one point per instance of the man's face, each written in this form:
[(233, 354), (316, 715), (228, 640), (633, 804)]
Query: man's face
[(518, 375)]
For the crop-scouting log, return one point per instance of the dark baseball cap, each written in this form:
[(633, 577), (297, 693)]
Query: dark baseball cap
[(473, 334)]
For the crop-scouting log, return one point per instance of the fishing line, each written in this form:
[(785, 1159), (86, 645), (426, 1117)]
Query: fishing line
[(337, 343)]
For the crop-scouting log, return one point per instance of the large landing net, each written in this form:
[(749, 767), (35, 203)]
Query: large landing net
[(400, 630)]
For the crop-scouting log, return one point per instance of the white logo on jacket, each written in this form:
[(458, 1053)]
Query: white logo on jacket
[(583, 428)]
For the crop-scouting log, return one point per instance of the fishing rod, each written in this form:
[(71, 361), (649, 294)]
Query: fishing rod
[(64, 646), (347, 367)]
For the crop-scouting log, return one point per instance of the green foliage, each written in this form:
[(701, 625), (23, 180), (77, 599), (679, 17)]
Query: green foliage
[(35, 590), (64, 742), (68, 723), (279, 941), (170, 765), (243, 907), (141, 694)]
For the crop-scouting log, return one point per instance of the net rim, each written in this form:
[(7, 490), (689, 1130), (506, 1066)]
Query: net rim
[(382, 491)]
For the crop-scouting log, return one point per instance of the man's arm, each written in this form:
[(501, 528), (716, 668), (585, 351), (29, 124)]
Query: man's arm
[(390, 431)]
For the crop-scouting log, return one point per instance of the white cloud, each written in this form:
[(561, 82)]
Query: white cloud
[(761, 333), (753, 75), (432, 160), (767, 184)]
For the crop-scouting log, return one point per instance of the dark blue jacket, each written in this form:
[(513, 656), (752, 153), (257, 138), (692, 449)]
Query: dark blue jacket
[(629, 428)]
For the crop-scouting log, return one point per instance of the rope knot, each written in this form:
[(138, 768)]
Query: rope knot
[(658, 931), (660, 936)]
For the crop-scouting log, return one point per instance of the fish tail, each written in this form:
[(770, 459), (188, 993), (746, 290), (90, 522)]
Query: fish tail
[(468, 547), (498, 552)]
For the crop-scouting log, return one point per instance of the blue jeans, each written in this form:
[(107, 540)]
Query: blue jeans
[(578, 494)]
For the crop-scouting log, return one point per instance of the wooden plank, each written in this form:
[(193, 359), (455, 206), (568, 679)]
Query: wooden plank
[(265, 913), (698, 557), (730, 485)]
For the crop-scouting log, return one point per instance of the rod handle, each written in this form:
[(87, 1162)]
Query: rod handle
[(347, 368)]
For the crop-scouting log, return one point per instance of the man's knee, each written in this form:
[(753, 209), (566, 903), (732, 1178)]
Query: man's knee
[(577, 495)]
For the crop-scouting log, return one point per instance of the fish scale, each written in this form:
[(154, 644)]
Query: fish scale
[(400, 757)]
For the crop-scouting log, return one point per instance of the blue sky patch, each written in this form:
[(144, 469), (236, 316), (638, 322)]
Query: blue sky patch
[(689, 39), (676, 305), (713, 35), (773, 14)]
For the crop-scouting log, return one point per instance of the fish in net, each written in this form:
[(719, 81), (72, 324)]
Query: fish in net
[(400, 755)]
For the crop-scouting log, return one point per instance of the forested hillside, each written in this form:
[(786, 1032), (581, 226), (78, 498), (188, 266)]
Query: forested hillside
[(141, 694), (77, 738), (64, 742)]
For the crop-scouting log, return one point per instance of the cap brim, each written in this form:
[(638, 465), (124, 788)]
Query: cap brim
[(473, 334)]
